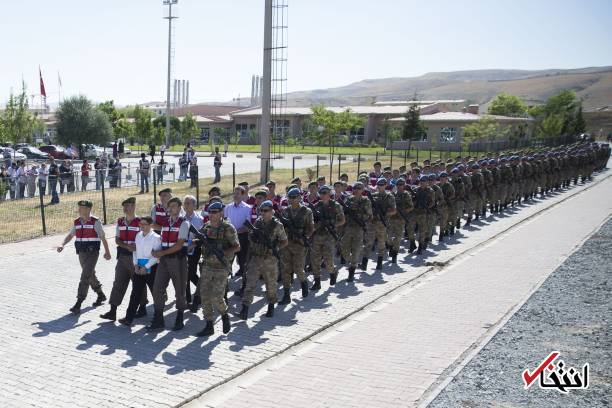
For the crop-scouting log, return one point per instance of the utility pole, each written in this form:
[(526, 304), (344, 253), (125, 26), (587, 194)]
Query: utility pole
[(170, 17), (264, 130)]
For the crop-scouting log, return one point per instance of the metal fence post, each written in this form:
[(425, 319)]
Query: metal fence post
[(391, 165), (197, 186), (417, 155), (293, 168), (42, 212), (103, 204), (317, 165), (358, 162), (377, 156), (233, 174), (154, 174)]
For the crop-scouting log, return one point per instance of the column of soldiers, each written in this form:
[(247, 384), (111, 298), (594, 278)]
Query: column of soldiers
[(302, 231)]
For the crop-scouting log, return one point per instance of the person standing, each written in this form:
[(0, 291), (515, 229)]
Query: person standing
[(31, 174), (43, 173), (159, 211), (88, 233), (238, 213), (145, 268), (268, 236), (85, 168), (53, 177), (383, 206), (360, 214), (183, 166), (217, 165), (193, 170), (193, 252), (423, 203), (152, 152), (213, 282), (115, 152), (143, 169), (160, 171), (397, 222), (162, 150), (127, 228), (293, 256), (22, 179), (172, 265)]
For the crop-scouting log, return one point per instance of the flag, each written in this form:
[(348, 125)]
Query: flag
[(59, 80), (42, 84)]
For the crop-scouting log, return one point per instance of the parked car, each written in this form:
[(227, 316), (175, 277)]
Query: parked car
[(33, 153), (14, 155), (92, 151), (58, 152)]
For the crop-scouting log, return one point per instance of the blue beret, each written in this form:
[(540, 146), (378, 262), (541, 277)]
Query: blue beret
[(324, 189), (424, 178), (492, 162), (381, 181), (294, 192), (357, 184), (461, 167), (503, 160), (432, 177), (400, 180), (454, 170), (443, 174), (266, 203), (216, 205), (475, 166)]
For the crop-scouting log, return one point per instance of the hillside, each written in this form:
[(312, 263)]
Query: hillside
[(593, 84)]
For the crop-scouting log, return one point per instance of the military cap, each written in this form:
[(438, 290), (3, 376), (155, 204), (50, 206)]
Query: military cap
[(215, 200), (461, 167), (454, 170), (381, 181), (443, 174), (290, 186), (324, 189), (337, 183), (377, 163), (85, 203), (270, 183), (344, 175), (503, 160), (475, 166), (423, 179), (312, 183), (261, 193), (431, 177), (175, 200), (165, 190), (129, 200), (265, 204), (216, 206), (213, 189), (243, 183), (357, 185), (321, 178), (492, 162), (387, 168), (296, 180), (400, 181), (294, 192)]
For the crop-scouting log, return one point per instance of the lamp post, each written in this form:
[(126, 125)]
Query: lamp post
[(170, 17)]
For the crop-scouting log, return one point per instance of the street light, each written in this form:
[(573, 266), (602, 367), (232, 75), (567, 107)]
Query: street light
[(170, 17)]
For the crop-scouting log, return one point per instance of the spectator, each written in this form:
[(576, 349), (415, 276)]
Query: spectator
[(53, 179), (193, 170), (112, 181), (183, 165), (8, 160), (143, 168), (70, 186), (12, 173), (118, 168), (238, 213), (85, 168), (160, 171), (31, 175), (98, 170), (4, 183), (22, 179), (121, 148), (115, 150), (162, 150), (217, 164), (152, 153), (43, 173)]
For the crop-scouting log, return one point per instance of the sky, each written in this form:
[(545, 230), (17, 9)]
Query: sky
[(117, 49)]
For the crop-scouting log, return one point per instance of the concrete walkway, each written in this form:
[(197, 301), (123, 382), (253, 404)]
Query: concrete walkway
[(398, 348), (51, 358)]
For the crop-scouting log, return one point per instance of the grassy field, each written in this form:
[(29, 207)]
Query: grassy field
[(284, 149)]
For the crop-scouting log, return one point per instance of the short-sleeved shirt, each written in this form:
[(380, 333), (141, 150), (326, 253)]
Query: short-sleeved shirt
[(97, 227)]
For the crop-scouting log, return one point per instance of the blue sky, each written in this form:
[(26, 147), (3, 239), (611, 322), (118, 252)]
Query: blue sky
[(116, 49)]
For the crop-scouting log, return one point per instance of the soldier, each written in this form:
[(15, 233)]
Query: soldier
[(477, 193), (383, 206), (299, 230), (487, 178), (398, 221), (359, 214), (128, 227), (264, 241), (439, 206), (222, 236), (159, 211), (460, 199), (328, 216), (467, 183), (193, 254), (88, 233), (447, 210), (423, 203), (172, 265)]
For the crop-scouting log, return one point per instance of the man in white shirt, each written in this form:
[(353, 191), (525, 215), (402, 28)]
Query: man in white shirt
[(238, 213)]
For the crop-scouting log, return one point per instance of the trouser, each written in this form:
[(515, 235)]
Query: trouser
[(139, 290), (292, 262), (31, 188), (368, 239), (144, 182), (192, 272), (193, 175), (124, 272), (53, 190), (266, 266), (22, 187), (171, 268), (88, 262), (217, 174), (352, 245), (212, 291), (459, 206), (380, 233), (41, 188), (396, 232), (419, 219), (323, 248), (443, 217), (241, 256), (183, 174), (84, 182)]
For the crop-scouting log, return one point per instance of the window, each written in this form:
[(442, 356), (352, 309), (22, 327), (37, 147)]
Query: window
[(241, 129), (280, 129), (448, 135)]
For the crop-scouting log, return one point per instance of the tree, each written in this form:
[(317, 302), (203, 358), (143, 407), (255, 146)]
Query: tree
[(485, 129), (79, 122), (18, 123), (579, 122), (567, 108), (123, 129), (189, 128), (551, 126), (413, 128), (143, 127), (507, 105), (175, 128)]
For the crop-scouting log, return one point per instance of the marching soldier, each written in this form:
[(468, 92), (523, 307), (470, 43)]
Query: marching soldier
[(423, 204), (358, 215), (398, 221), (383, 206), (264, 241), (222, 236), (460, 198), (293, 256), (88, 233), (477, 193), (328, 216), (447, 210), (128, 227), (439, 206), (172, 265)]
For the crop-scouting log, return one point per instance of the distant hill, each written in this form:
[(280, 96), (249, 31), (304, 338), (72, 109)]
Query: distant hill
[(593, 84)]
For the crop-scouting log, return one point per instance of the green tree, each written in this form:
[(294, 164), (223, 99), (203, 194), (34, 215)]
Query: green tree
[(413, 128), (123, 129), (579, 122), (551, 126), (143, 126), (189, 128), (175, 128), (565, 106), (485, 129), (507, 105), (17, 121), (80, 122)]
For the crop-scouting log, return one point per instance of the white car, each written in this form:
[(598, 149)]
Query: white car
[(14, 155), (93, 151)]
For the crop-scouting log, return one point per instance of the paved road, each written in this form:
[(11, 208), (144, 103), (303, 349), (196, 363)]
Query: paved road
[(49, 356)]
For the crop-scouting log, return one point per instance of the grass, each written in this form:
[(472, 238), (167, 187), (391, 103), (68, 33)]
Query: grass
[(283, 149)]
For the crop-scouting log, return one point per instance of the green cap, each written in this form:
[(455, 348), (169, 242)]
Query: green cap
[(129, 200), (85, 203)]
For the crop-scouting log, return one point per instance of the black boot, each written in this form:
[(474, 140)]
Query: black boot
[(226, 323), (244, 313), (157, 322), (342, 260), (332, 278), (76, 309), (476, 215), (208, 329), (270, 312), (484, 211), (364, 263), (379, 263), (126, 321), (441, 236), (111, 314), (101, 297), (413, 246), (452, 230), (286, 297), (142, 311), (304, 286), (195, 305), (420, 249), (468, 222), (178, 323), (458, 225), (351, 276), (393, 256), (317, 284)]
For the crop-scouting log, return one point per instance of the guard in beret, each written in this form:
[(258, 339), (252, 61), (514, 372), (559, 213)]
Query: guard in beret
[(460, 199), (383, 206), (266, 238), (399, 221), (88, 233), (447, 210), (488, 183), (358, 214), (477, 193), (424, 200), (127, 228), (299, 226)]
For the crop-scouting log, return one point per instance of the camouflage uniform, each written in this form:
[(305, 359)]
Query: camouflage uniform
[(447, 209), (423, 204), (460, 199), (294, 254), (384, 201), (397, 223), (323, 244), (352, 240), (213, 274)]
